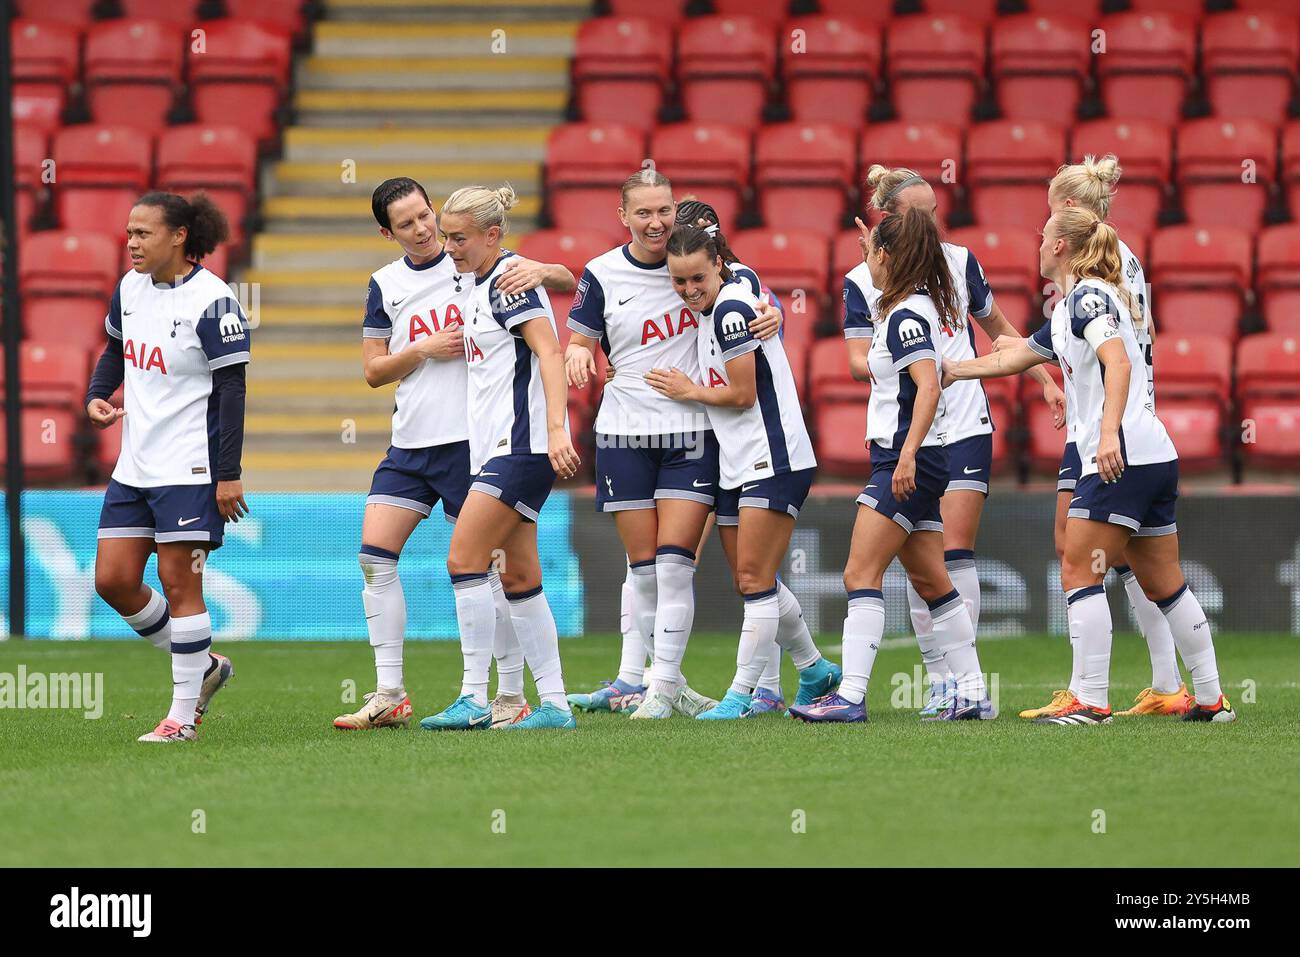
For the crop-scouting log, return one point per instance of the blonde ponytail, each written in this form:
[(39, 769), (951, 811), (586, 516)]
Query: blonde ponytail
[(1091, 184), (485, 207), (1095, 248), (885, 184)]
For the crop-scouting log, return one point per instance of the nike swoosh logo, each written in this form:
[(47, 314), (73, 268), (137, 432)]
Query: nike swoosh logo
[(397, 302), (1075, 499), (967, 471), (125, 313), (698, 484), (182, 522), (746, 488), (624, 302), (1062, 472), (488, 474)]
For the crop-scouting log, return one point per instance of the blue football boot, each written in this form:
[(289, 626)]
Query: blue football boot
[(767, 701), (612, 696), (818, 680), (733, 705), (461, 715), (547, 716)]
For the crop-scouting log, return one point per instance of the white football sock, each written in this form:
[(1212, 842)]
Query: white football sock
[(771, 676), (792, 636), (505, 645), (863, 629), (757, 640), (535, 628), (674, 615), (965, 577), (955, 636), (645, 597), (1191, 630), (191, 640), (385, 608), (1165, 678), (1090, 629), (476, 616), (631, 666), (153, 621), (923, 625)]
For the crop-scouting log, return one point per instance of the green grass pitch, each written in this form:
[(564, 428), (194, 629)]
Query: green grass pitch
[(276, 785)]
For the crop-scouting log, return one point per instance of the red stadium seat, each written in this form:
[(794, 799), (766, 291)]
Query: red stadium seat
[(1291, 163), (709, 160), (1268, 364), (1187, 8), (975, 9), (1190, 366), (1046, 443), (586, 163), (46, 61), (830, 78), (1212, 174), (133, 69), (53, 374), (181, 12), (796, 353), (801, 169), (67, 264), (846, 255), (57, 319), (773, 10), (1195, 426), (932, 149), (787, 261), (1273, 425), (102, 210), (49, 446), (220, 160), (724, 65), (1199, 275), (1001, 394), (571, 248), (621, 66), (1007, 166), (840, 428), (1010, 262), (30, 153), (669, 11), (1144, 149), (936, 65), (1249, 61), (1065, 8), (241, 77), (1279, 277), (874, 10), (829, 379), (77, 13), (102, 171), (1039, 65), (1146, 64), (286, 13)]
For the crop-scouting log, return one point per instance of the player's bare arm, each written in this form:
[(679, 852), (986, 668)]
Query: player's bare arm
[(1110, 457), (997, 327), (580, 360), (924, 406), (541, 339), (1011, 361), (520, 275)]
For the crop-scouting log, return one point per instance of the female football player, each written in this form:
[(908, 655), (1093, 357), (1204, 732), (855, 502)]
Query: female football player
[(968, 422), (766, 462), (1123, 504), (518, 443), (656, 460), (180, 343), (412, 335), (899, 512), (1091, 185)]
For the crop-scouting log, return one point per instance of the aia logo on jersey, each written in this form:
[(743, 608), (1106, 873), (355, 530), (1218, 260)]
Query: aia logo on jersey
[(715, 379), (418, 327), (472, 352), (663, 329), (143, 356)]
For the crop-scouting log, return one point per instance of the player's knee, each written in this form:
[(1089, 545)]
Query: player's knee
[(930, 587), (460, 563), (112, 586), (750, 579), (515, 580), (1078, 574)]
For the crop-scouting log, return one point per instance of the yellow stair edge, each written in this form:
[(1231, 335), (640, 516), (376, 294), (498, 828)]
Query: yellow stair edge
[(309, 315), (310, 351), (399, 66), (373, 169), (335, 388), (393, 136), (309, 277), (328, 30), (322, 242), (308, 461), (358, 207), (273, 423), (432, 100)]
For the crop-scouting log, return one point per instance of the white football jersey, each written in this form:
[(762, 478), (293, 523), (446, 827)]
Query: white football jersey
[(404, 304), (908, 334), (507, 406), (642, 324), (770, 437), (173, 338), (1094, 309), (968, 407)]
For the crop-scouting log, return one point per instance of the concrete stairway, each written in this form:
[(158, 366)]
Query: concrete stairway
[(450, 93)]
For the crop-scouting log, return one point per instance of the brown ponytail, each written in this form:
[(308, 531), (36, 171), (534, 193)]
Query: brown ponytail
[(916, 264)]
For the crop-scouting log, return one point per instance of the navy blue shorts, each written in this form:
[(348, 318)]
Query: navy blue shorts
[(634, 470), (1071, 469), (779, 493), (920, 513), (970, 462), (419, 479), (522, 481), (165, 513), (1142, 500)]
